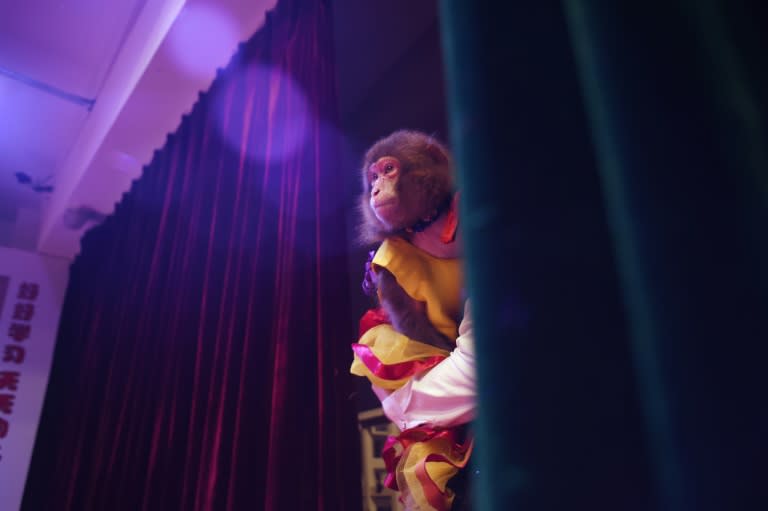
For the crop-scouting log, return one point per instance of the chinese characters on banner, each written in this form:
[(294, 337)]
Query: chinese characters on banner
[(31, 294), (13, 353)]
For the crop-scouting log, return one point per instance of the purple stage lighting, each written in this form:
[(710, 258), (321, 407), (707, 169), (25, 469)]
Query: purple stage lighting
[(202, 39), (278, 128)]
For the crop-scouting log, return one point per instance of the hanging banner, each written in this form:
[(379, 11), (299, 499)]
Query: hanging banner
[(32, 288)]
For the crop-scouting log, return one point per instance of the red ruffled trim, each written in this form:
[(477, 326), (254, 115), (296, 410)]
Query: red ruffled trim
[(396, 371), (391, 458), (372, 318), (392, 455), (432, 492)]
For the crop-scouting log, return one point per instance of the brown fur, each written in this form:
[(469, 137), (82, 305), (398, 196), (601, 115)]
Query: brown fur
[(425, 182)]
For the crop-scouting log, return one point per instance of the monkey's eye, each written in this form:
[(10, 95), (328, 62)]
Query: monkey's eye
[(388, 168)]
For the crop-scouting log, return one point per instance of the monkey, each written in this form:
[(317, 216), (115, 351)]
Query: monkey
[(408, 191), (408, 204)]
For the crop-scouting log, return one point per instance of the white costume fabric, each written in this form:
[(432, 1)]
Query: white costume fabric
[(443, 396)]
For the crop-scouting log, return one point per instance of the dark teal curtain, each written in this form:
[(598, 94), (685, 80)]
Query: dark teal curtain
[(614, 166)]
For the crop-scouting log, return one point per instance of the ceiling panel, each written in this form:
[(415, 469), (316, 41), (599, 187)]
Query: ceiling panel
[(66, 43), (95, 49), (36, 132)]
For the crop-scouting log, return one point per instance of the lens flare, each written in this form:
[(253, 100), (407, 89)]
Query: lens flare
[(273, 112), (202, 39)]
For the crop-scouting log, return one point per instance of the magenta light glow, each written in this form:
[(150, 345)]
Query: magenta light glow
[(275, 136), (202, 39)]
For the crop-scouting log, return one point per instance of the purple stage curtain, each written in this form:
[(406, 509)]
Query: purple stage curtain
[(202, 356)]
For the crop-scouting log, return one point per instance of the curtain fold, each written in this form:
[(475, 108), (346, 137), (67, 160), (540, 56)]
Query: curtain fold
[(202, 353), (613, 165), (678, 114), (560, 424)]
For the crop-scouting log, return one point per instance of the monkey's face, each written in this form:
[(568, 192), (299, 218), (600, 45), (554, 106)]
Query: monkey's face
[(406, 177), (384, 175)]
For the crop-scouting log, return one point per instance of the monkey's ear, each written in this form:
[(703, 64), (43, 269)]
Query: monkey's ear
[(437, 153)]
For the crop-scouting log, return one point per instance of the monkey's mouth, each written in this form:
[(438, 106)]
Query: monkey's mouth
[(386, 211), (385, 204)]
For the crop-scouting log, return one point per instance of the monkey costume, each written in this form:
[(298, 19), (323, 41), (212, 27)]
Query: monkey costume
[(421, 460), (385, 356)]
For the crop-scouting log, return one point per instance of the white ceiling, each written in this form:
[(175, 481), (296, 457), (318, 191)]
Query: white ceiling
[(41, 42), (131, 59), (69, 44)]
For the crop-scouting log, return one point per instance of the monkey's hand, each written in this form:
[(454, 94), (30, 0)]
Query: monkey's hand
[(408, 316), (369, 277)]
